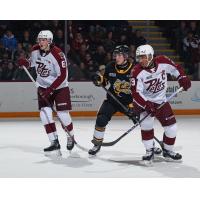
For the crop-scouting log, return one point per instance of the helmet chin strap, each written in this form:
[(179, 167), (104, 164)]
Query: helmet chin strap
[(123, 64), (149, 62)]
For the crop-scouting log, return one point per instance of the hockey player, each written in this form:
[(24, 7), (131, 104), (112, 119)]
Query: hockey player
[(51, 68), (149, 85), (117, 73)]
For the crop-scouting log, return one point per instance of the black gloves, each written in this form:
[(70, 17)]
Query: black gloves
[(133, 115), (97, 79)]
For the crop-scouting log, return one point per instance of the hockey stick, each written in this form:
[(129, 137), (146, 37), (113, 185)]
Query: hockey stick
[(126, 110), (53, 109), (111, 94), (135, 125)]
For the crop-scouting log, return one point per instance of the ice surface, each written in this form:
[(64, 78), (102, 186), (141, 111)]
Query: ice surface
[(22, 142)]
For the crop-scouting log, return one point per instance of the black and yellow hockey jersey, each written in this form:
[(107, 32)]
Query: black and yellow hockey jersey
[(118, 76)]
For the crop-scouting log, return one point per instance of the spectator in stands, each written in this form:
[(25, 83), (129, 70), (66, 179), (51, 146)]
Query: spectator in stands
[(82, 52), (193, 27), (138, 39), (26, 40), (180, 33), (191, 44), (20, 74), (19, 51), (88, 66), (99, 56), (4, 24), (9, 41), (2, 51), (132, 53), (8, 71), (77, 42), (108, 57), (195, 56), (109, 43), (59, 39), (55, 25), (197, 65), (123, 40), (187, 45)]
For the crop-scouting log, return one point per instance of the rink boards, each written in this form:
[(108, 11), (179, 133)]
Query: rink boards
[(19, 99)]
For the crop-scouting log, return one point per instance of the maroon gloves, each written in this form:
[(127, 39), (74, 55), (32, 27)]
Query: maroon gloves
[(23, 62), (184, 82), (150, 108), (45, 93)]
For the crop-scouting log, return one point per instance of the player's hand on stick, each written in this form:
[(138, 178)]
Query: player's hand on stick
[(97, 79), (23, 62), (150, 108), (45, 93), (133, 115), (184, 82)]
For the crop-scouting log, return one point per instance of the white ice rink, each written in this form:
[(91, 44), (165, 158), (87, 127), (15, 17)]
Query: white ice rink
[(22, 142)]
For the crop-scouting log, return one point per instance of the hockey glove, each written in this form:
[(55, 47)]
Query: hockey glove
[(97, 79), (46, 93), (133, 115), (184, 82), (23, 62), (150, 108)]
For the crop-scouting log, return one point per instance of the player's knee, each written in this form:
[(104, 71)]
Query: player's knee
[(170, 131), (65, 117), (102, 120), (147, 124), (46, 115)]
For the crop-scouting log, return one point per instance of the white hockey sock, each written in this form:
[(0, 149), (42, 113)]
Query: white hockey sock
[(169, 136), (67, 121), (149, 144), (99, 133), (49, 124)]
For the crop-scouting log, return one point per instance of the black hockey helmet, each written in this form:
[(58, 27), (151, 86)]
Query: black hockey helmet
[(121, 49)]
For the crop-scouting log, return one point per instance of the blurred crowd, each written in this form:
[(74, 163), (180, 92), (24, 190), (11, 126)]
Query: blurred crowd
[(89, 44), (185, 38)]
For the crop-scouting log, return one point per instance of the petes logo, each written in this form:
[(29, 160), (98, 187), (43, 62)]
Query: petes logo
[(42, 70), (155, 85)]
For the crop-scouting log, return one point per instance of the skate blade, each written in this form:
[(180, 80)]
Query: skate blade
[(53, 153), (147, 163), (92, 156), (74, 155), (157, 155), (174, 161)]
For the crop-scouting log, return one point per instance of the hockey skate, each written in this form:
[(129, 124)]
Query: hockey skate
[(148, 157), (171, 156), (53, 149), (70, 143), (96, 148), (157, 151)]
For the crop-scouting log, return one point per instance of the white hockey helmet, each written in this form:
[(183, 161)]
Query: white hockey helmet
[(46, 34), (145, 50)]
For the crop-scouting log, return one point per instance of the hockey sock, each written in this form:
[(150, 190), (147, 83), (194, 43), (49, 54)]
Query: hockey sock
[(48, 122), (67, 121), (169, 136), (147, 138)]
